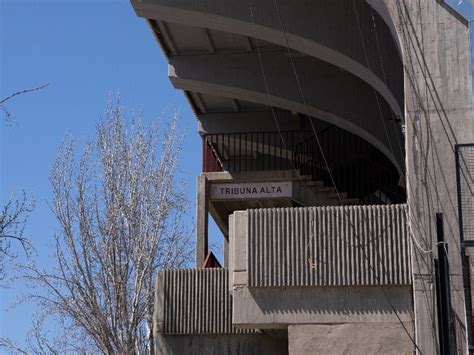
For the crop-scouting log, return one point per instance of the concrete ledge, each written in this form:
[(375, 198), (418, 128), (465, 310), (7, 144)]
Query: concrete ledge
[(257, 176), (279, 307)]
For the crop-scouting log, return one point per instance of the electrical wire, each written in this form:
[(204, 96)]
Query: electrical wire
[(402, 151), (327, 165), (267, 89), (262, 68), (376, 95), (426, 73)]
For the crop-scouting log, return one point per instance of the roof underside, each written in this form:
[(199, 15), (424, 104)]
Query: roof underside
[(180, 40)]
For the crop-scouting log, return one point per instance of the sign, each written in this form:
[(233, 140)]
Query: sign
[(251, 190)]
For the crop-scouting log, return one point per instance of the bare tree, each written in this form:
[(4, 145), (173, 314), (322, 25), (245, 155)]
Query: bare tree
[(120, 210)]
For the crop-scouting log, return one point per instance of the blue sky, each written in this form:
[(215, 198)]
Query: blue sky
[(87, 50)]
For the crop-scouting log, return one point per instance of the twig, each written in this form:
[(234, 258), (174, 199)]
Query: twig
[(22, 92)]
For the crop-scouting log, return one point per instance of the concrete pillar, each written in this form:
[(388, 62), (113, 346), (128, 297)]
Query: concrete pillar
[(226, 250), (438, 115), (202, 219)]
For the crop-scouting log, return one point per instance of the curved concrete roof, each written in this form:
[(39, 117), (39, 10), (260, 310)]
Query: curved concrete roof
[(332, 94), (331, 33), (384, 13)]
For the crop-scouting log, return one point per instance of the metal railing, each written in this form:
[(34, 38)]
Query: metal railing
[(357, 167), (464, 154), (465, 182)]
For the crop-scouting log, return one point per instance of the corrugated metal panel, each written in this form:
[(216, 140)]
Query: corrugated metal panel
[(197, 301), (328, 246)]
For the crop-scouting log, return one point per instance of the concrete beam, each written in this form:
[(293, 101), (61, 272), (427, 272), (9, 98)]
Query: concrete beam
[(331, 95), (328, 30), (384, 13), (241, 122), (268, 308)]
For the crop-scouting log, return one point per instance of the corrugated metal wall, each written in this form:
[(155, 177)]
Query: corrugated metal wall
[(328, 246), (197, 301)]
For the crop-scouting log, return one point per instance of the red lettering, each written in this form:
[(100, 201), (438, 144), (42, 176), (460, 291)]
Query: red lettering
[(262, 190), (279, 189), (254, 190), (227, 191)]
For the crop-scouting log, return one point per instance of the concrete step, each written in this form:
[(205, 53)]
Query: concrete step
[(327, 189), (326, 195), (350, 201), (305, 177), (340, 195), (317, 184)]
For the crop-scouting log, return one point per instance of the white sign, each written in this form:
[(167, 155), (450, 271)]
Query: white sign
[(250, 190)]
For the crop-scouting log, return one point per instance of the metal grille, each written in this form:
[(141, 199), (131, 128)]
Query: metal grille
[(465, 182), (465, 177)]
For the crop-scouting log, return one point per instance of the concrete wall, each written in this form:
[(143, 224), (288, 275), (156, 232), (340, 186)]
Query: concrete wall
[(354, 339), (320, 246), (328, 246), (193, 315), (438, 111), (258, 344), (306, 265), (194, 301)]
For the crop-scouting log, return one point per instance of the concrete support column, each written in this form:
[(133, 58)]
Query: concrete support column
[(226, 250), (438, 114), (202, 219)]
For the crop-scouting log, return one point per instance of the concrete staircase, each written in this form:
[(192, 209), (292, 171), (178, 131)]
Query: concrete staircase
[(308, 192)]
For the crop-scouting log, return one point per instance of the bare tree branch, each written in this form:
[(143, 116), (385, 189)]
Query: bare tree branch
[(13, 217), (20, 92), (121, 215)]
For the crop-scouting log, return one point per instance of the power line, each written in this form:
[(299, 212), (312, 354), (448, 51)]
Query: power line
[(329, 171), (267, 89), (425, 72), (375, 91)]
